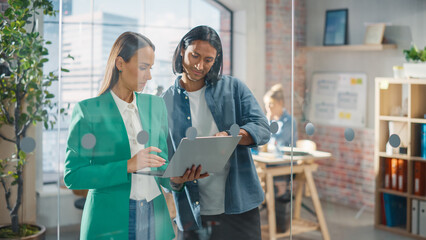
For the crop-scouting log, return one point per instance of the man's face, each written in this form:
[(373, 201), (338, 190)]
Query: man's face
[(198, 58)]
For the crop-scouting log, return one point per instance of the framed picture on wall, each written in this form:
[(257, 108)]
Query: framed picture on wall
[(374, 33), (336, 27)]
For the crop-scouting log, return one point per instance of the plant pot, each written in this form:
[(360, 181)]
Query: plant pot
[(40, 235), (415, 70)]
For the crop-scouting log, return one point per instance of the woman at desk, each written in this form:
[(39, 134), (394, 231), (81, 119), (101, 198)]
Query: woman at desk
[(275, 111), (105, 147)]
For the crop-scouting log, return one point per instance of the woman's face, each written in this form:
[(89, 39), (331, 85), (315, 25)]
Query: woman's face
[(273, 107), (137, 71)]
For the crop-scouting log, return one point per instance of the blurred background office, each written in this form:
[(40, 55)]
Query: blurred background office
[(257, 44)]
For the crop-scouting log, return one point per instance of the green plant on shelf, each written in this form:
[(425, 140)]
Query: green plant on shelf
[(415, 55)]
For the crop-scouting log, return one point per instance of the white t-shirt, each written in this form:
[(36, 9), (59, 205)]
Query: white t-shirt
[(143, 187), (211, 188)]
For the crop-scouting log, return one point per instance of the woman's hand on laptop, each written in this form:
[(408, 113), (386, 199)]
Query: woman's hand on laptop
[(190, 175), (144, 159)]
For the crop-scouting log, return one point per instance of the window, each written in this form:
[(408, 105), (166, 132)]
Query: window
[(89, 31)]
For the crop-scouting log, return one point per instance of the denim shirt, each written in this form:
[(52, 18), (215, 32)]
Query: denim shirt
[(230, 101), (283, 136)]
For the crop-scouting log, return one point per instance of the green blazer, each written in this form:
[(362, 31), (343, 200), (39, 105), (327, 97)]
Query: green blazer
[(103, 168)]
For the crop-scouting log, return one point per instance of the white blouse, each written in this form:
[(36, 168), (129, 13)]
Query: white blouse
[(143, 187)]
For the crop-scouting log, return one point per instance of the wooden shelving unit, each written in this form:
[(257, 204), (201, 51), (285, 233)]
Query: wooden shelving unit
[(372, 47), (388, 96)]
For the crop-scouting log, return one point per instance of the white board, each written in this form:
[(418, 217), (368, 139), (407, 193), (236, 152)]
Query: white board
[(338, 99)]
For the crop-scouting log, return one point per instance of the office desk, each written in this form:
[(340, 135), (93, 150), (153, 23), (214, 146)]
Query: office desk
[(303, 167)]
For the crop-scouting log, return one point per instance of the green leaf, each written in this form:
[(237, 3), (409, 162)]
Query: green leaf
[(50, 95), (65, 70), (47, 84), (8, 12), (423, 55), (6, 31), (22, 154)]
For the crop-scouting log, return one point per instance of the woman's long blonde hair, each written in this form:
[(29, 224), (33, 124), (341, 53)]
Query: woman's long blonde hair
[(125, 46), (276, 93)]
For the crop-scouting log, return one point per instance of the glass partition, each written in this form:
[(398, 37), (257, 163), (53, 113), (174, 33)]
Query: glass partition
[(366, 189), (318, 120)]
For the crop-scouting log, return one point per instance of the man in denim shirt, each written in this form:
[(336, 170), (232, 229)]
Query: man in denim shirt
[(224, 205)]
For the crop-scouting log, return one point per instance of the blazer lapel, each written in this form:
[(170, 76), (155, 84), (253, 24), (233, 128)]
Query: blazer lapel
[(115, 119), (144, 108)]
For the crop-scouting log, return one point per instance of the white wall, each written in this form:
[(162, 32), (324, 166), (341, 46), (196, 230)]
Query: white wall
[(403, 15), (249, 43)]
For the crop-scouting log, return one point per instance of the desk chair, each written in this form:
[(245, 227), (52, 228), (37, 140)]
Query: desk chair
[(306, 145)]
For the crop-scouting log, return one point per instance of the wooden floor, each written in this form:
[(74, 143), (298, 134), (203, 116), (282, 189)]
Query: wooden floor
[(342, 224), (341, 220)]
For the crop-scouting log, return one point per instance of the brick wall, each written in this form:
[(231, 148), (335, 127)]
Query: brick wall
[(348, 178), (278, 49)]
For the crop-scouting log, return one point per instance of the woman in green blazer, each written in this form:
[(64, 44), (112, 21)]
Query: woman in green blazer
[(104, 149)]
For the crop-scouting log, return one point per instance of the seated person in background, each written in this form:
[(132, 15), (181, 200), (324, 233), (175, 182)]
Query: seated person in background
[(276, 112)]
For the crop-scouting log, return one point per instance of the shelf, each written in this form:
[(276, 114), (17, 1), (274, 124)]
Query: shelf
[(399, 156), (393, 192), (398, 230), (417, 158), (418, 120), (402, 156), (423, 198), (420, 81), (378, 47), (390, 94), (393, 118)]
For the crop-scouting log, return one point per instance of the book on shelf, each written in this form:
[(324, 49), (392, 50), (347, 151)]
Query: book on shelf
[(395, 210), (402, 175), (382, 203), (423, 140), (419, 178), (422, 218), (387, 173), (394, 174), (415, 216)]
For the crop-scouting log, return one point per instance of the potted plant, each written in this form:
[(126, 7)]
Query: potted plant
[(24, 98), (416, 66)]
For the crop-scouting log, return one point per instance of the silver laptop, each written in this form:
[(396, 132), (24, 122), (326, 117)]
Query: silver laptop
[(212, 153)]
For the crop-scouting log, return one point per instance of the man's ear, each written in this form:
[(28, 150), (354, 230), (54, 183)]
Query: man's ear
[(119, 61)]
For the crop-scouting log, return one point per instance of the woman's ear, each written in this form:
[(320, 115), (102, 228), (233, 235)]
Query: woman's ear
[(119, 61)]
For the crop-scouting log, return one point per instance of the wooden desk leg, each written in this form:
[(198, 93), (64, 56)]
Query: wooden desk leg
[(317, 204), (298, 195), (270, 202)]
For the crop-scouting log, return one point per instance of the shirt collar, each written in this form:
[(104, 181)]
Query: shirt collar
[(123, 105), (180, 89)]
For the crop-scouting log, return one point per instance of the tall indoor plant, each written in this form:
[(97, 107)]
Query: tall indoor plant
[(24, 96)]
